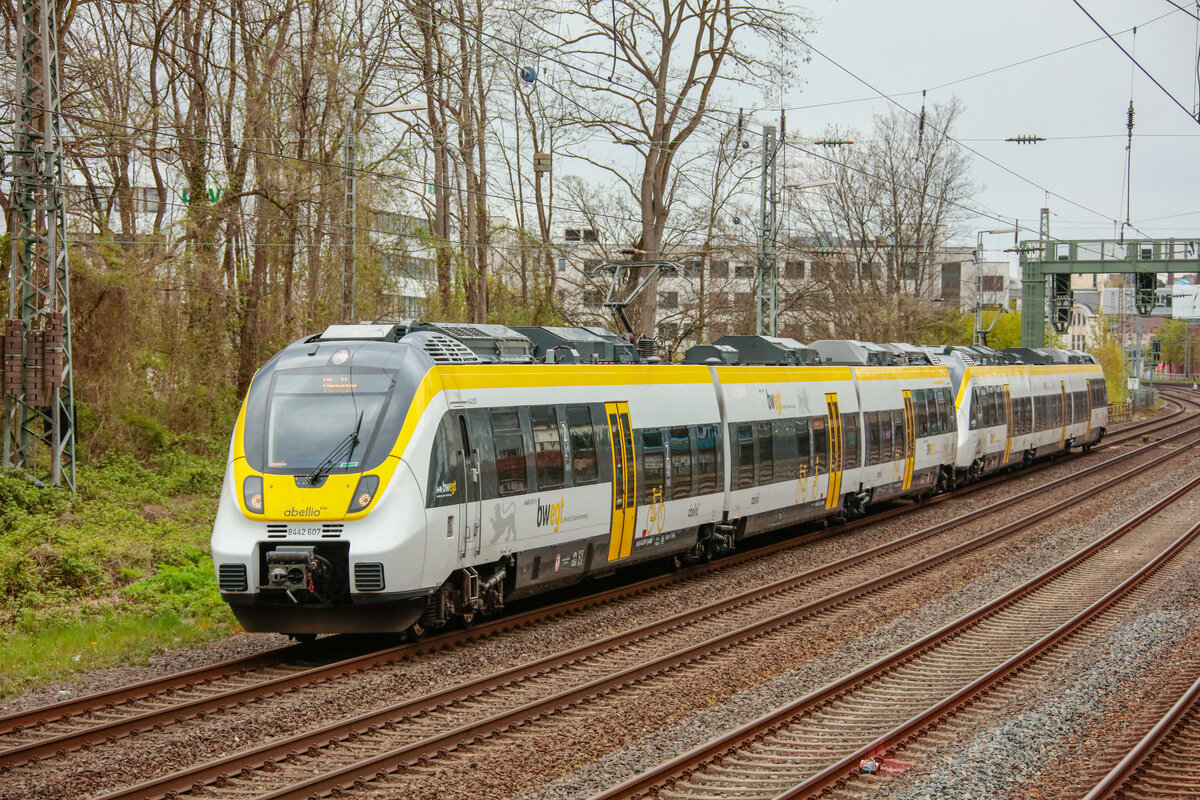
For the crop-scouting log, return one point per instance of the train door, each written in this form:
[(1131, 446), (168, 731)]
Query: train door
[(624, 471), (1087, 436), (834, 494), (469, 532), (910, 439), (1008, 428), (1066, 415)]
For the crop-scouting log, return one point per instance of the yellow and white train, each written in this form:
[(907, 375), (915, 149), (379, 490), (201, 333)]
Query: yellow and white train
[(392, 478)]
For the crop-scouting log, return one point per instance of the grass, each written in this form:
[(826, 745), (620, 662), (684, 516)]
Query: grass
[(115, 574)]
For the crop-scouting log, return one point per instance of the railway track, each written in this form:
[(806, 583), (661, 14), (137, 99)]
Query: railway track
[(439, 722), (97, 719), (1161, 765), (170, 700), (820, 742), (205, 689)]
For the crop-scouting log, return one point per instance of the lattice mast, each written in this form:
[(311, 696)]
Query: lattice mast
[(39, 421)]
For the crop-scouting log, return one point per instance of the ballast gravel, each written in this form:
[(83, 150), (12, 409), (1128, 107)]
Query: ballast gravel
[(745, 706), (178, 747)]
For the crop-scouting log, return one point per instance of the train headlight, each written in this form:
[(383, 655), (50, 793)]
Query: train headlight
[(252, 494), (364, 493)]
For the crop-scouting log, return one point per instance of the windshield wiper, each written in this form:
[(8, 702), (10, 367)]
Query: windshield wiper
[(327, 463)]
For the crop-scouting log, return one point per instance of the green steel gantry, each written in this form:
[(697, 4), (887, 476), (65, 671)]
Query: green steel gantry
[(1059, 259)]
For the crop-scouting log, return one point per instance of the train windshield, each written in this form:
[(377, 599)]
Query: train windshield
[(309, 414)]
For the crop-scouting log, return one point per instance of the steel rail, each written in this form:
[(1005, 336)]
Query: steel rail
[(399, 758), (14, 756), (15, 723), (1137, 763), (683, 766)]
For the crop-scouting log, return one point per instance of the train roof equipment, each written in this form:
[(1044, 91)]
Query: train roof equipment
[(711, 354), (851, 352), (768, 351), (591, 345)]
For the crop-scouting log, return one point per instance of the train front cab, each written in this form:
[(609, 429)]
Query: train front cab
[(305, 542)]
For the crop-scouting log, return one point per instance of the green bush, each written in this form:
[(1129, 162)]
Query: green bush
[(126, 560)]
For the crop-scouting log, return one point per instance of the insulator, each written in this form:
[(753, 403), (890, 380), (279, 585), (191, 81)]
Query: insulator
[(1129, 118), (782, 125)]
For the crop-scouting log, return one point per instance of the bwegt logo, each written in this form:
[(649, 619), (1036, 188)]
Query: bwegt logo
[(551, 514)]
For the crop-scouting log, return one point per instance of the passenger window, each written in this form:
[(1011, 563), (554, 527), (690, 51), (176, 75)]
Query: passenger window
[(850, 438), (547, 447), (784, 432), (585, 464), (898, 434), (766, 454), (745, 456), (871, 423), (885, 436), (951, 417), (653, 466), (707, 465), (804, 465), (681, 463), (940, 411), (820, 439), (919, 413), (510, 452)]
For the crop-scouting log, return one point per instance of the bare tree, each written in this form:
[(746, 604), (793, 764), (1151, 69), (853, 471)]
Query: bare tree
[(875, 235), (666, 63)]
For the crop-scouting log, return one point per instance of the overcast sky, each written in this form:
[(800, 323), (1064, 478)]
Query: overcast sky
[(1076, 99)]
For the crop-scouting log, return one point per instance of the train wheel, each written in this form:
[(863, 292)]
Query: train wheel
[(468, 620), (417, 632), (303, 638)]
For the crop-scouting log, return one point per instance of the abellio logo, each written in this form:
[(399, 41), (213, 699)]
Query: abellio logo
[(308, 511), (550, 514)]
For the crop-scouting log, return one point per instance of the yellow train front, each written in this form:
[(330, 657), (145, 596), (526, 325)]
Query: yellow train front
[(318, 515)]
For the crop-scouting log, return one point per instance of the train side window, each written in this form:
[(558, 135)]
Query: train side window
[(942, 413), (850, 440), (784, 433), (547, 447), (510, 452), (871, 430), (820, 440), (681, 463), (951, 417), (766, 453), (707, 471), (804, 455), (885, 437), (897, 434), (744, 442), (653, 465), (584, 460), (445, 468), (920, 413), (976, 408)]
